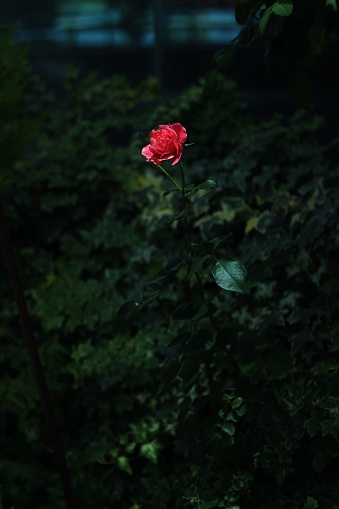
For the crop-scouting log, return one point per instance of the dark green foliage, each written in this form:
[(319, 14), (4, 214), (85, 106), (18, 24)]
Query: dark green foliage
[(300, 38), (257, 369), (284, 345), (16, 129), (170, 392)]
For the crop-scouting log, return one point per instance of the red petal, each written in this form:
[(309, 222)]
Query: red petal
[(180, 132)]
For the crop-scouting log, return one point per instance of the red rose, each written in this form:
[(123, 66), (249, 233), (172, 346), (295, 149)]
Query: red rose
[(167, 143)]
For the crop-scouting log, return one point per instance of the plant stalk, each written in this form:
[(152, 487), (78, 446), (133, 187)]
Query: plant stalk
[(37, 365)]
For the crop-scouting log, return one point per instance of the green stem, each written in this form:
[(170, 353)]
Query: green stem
[(183, 181), (184, 202), (170, 178), (197, 275)]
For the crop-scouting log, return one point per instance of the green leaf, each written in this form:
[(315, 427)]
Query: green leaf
[(311, 503), (241, 411), (283, 8), (149, 451), (230, 275), (167, 221), (332, 4), (218, 240), (228, 428), (260, 223), (124, 464), (264, 20), (237, 402), (209, 183)]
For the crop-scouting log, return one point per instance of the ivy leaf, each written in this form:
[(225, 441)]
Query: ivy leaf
[(260, 223), (124, 464), (149, 451), (311, 503), (167, 221), (283, 8), (230, 275)]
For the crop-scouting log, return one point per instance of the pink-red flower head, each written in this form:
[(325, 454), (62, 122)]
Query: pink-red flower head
[(166, 144)]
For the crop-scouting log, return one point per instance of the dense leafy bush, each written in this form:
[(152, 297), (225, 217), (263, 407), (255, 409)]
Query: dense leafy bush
[(170, 392)]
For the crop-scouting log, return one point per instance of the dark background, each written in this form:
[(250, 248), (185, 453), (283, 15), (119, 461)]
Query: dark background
[(173, 39)]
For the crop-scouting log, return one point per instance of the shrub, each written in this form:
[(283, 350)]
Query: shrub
[(166, 397)]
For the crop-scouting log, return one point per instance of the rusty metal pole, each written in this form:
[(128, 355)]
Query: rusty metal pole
[(36, 364)]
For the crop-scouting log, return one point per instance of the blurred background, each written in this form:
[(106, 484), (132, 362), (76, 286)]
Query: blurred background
[(173, 39)]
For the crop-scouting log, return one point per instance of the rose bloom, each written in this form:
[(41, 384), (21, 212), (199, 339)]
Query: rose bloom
[(167, 143)]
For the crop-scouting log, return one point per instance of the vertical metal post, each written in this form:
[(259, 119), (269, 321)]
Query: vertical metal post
[(159, 41), (36, 364)]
